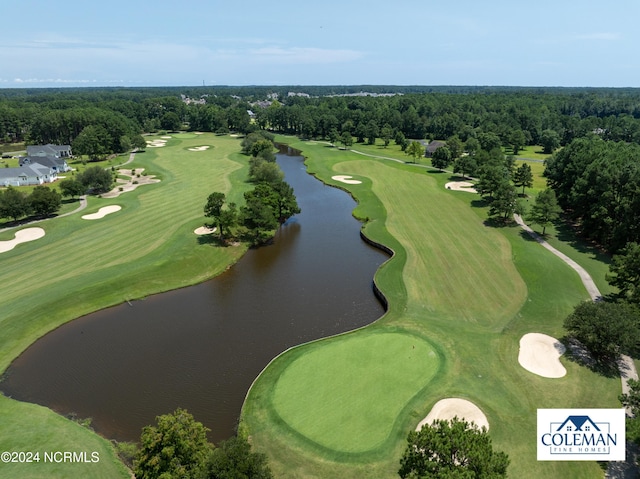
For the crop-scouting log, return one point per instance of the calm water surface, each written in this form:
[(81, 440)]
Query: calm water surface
[(200, 347)]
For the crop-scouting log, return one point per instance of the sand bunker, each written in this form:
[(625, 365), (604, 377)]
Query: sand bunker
[(22, 236), (461, 186), (132, 183), (199, 148), (102, 212), (449, 408), (199, 133), (157, 143), (203, 230), (346, 179), (540, 354), (165, 137)]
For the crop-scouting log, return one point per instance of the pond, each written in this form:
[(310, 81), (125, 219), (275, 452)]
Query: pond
[(201, 347)]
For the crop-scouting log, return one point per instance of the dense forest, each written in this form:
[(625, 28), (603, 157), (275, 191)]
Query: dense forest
[(594, 132)]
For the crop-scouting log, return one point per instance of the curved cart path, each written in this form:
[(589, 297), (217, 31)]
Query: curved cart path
[(618, 470)]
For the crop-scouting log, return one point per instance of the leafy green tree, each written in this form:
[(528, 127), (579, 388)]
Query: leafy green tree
[(96, 179), (138, 142), (624, 273), (372, 132), (523, 176), (93, 141), (606, 329), (261, 171), (415, 151), (631, 401), (233, 459), (489, 141), (386, 133), (71, 187), (441, 158), (505, 201), (490, 178), (264, 149), (287, 204), (44, 201), (455, 146), (517, 140), (258, 218), (333, 136), (550, 140), (170, 121), (545, 210), (452, 449), (176, 447), (465, 165), (472, 145), (14, 204), (346, 139)]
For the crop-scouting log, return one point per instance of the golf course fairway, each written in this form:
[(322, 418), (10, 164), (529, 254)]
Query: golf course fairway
[(463, 293)]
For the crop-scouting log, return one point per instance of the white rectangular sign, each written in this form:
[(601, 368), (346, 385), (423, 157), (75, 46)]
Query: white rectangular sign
[(581, 435)]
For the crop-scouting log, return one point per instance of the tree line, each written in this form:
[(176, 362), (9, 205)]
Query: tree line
[(518, 116)]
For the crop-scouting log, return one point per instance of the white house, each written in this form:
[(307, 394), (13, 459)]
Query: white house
[(31, 174)]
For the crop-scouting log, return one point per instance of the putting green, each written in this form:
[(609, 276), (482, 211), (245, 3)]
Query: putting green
[(373, 376)]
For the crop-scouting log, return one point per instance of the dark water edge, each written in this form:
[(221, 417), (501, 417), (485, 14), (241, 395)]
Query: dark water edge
[(201, 347)]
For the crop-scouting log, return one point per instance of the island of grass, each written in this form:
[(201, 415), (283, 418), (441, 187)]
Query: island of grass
[(456, 287)]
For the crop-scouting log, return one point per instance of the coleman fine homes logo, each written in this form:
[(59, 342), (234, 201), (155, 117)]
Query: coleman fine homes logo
[(581, 435)]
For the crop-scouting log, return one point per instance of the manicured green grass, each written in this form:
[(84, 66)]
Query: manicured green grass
[(81, 266), (373, 377), (470, 291)]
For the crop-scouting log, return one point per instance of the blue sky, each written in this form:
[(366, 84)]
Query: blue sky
[(404, 42)]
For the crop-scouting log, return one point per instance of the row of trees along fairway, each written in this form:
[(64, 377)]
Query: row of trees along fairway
[(269, 204), (41, 202)]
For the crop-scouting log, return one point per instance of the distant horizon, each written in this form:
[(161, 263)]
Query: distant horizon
[(314, 85)]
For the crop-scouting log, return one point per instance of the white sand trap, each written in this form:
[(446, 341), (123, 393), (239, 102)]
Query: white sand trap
[(199, 133), (346, 179), (203, 230), (449, 408), (22, 236), (165, 137), (156, 143), (102, 212), (540, 354), (199, 148), (461, 186)]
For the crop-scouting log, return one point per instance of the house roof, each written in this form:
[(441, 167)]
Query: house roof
[(434, 145), (32, 170), (48, 149), (50, 161)]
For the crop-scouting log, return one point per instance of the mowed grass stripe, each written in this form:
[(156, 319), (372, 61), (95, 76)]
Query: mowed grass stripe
[(456, 267)]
